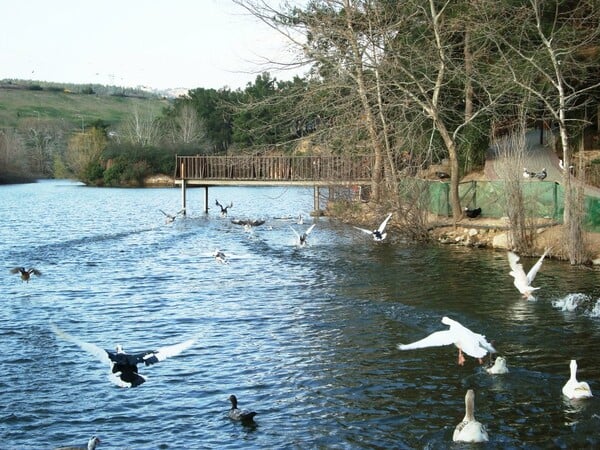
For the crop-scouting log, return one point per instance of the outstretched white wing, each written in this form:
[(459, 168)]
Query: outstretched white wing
[(517, 272), (310, 229), (534, 270), (92, 349), (364, 230), (437, 339), (167, 352), (295, 232), (384, 223)]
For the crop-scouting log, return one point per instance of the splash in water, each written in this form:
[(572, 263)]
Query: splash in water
[(571, 302)]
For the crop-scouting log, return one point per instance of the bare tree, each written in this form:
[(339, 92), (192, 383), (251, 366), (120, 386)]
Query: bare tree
[(186, 127), (141, 127), (550, 44), (84, 148)]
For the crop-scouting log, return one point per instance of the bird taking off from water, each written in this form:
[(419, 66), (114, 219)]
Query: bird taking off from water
[(171, 218), (302, 237), (472, 344), (123, 366), (379, 234), (523, 281), (223, 208), (26, 274)]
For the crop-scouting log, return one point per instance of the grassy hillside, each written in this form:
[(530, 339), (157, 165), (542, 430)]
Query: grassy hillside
[(18, 105)]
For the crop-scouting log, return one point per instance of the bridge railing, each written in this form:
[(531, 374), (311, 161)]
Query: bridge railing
[(275, 168)]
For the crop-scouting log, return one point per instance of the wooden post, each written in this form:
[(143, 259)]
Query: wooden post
[(183, 195), (316, 200), (205, 199)]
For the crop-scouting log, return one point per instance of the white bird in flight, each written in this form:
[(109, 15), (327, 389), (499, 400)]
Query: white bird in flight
[(302, 238), (523, 281), (472, 344), (379, 234)]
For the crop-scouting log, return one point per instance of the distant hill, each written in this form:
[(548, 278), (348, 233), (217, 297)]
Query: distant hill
[(76, 104)]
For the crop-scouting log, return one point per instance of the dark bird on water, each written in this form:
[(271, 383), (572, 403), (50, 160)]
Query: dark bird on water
[(240, 415), (123, 366), (220, 256), (26, 274), (223, 208), (472, 213)]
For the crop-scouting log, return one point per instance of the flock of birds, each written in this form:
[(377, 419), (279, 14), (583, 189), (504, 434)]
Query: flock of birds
[(477, 346), (541, 175), (123, 367)]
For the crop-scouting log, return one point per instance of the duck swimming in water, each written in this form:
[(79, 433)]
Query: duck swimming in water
[(470, 430), (240, 415), (91, 445), (574, 389), (26, 273), (220, 257)]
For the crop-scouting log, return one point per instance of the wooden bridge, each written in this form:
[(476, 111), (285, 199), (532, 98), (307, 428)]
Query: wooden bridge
[(316, 171)]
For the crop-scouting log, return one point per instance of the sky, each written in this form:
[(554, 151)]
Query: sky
[(159, 44)]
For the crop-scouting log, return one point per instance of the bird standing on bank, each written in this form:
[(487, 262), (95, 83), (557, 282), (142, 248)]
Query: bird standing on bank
[(472, 213)]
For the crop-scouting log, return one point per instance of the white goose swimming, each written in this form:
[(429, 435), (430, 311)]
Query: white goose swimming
[(470, 430), (91, 445), (472, 344), (523, 281), (499, 367), (574, 389), (379, 234)]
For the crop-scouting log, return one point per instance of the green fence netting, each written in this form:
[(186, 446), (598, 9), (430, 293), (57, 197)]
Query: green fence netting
[(542, 199)]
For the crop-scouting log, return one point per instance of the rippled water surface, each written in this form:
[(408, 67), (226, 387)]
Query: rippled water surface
[(305, 336)]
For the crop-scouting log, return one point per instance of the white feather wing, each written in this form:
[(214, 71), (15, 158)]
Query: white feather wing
[(384, 223), (536, 267), (92, 349), (437, 339), (173, 350), (517, 272)]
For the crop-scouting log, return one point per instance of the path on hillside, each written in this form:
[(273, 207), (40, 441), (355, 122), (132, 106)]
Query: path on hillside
[(536, 157)]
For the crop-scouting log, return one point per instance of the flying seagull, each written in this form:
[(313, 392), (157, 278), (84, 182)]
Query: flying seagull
[(379, 234), (523, 282), (26, 274), (472, 344), (123, 366), (241, 415), (171, 218), (304, 236), (91, 445), (223, 208)]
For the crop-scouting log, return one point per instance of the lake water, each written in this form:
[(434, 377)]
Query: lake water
[(305, 336)]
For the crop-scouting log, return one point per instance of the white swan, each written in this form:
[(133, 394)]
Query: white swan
[(379, 234), (499, 367), (472, 344), (470, 430), (574, 389), (522, 281), (302, 238)]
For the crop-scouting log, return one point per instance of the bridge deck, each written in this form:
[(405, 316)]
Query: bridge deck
[(273, 170)]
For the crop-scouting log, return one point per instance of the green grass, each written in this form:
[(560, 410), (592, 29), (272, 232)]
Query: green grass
[(18, 106)]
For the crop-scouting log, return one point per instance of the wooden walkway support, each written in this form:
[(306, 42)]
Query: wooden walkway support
[(242, 170)]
